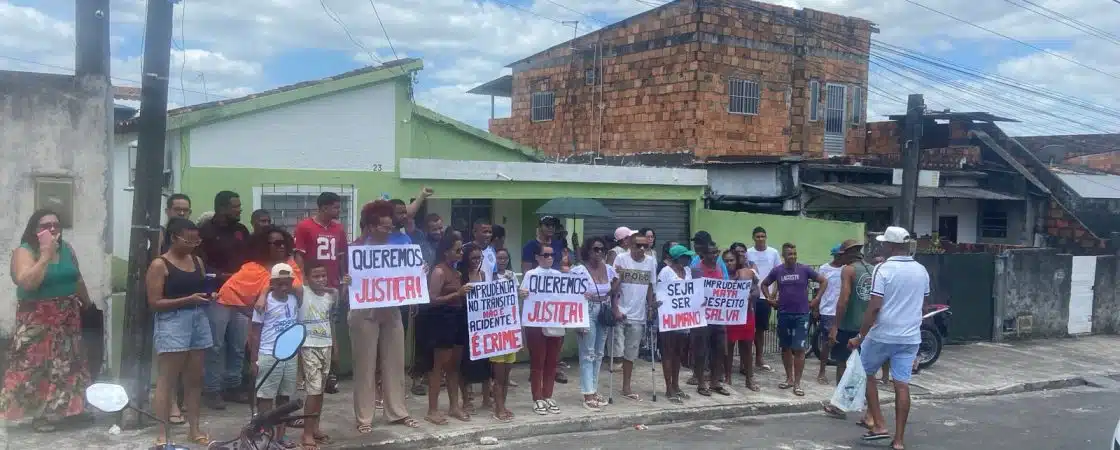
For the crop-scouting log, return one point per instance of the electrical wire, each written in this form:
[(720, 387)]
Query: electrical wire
[(383, 30), (1068, 21), (334, 17), (71, 69)]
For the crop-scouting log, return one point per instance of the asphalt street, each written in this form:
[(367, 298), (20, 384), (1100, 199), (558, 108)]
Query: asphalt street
[(1073, 419)]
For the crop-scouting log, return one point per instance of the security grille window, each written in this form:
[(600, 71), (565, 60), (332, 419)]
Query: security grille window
[(589, 76), (814, 100), (744, 96), (542, 106), (993, 224), (287, 205), (857, 105), (167, 172)]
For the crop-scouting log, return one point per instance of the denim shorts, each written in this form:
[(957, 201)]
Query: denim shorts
[(901, 356), (182, 330), (793, 331)]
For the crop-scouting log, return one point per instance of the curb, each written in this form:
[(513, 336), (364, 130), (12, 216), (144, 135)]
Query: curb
[(662, 417)]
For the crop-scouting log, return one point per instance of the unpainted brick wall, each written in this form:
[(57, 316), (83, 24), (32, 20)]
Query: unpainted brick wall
[(675, 99), (1107, 161), (1066, 232)]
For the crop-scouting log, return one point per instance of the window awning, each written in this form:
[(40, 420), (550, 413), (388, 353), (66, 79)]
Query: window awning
[(858, 190)]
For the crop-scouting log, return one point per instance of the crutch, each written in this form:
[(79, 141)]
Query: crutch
[(653, 361), (610, 342)]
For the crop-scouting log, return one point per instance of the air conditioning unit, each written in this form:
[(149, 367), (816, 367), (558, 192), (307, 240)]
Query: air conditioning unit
[(926, 178)]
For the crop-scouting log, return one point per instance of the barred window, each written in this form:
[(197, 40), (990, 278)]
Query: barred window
[(744, 96), (543, 108)]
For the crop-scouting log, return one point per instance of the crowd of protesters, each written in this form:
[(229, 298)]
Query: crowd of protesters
[(220, 294)]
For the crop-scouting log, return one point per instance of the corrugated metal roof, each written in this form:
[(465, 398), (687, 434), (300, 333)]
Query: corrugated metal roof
[(857, 190), (1092, 186)]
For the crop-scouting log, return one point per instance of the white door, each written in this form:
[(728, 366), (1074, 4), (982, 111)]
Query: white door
[(1081, 279)]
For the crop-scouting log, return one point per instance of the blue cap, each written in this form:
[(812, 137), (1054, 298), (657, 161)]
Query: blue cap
[(838, 249)]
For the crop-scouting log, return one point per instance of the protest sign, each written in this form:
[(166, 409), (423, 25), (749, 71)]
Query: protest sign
[(384, 276), (493, 326), (682, 305), (555, 300), (726, 301)]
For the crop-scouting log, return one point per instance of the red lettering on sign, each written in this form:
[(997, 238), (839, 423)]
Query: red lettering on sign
[(681, 320), (491, 313), (724, 293), (490, 343), (562, 312), (395, 289)]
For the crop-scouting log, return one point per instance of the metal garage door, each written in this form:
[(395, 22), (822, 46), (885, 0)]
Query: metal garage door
[(668, 218)]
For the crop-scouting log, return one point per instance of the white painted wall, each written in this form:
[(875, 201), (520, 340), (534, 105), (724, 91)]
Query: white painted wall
[(53, 125), (507, 213), (966, 211), (121, 191), (352, 130)]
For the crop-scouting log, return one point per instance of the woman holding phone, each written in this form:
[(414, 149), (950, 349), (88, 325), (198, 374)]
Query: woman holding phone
[(177, 291), (47, 369)]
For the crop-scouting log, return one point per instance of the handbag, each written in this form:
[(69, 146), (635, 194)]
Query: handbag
[(606, 317)]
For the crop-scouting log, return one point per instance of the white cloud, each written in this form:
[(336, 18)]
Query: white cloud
[(231, 47)]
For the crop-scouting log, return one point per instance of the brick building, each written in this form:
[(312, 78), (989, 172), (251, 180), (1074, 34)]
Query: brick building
[(705, 80)]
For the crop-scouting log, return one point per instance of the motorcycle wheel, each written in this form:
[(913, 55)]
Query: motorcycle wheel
[(930, 348)]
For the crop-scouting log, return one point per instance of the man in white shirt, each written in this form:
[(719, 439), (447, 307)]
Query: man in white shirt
[(826, 311), (892, 326), (622, 239), (765, 259), (638, 273), (482, 232)]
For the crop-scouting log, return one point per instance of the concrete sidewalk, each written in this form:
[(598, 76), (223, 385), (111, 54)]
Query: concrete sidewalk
[(966, 370)]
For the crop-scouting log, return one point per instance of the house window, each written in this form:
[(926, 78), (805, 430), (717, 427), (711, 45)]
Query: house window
[(857, 105), (290, 204), (993, 224), (589, 76), (464, 212), (744, 96), (814, 100), (542, 107)]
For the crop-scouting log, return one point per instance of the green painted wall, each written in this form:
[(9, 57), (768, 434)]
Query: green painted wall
[(813, 237)]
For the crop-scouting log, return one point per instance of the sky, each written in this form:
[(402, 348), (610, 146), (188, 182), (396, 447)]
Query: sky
[(1052, 64)]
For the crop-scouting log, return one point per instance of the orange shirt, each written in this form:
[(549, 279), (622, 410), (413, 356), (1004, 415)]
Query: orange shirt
[(243, 288)]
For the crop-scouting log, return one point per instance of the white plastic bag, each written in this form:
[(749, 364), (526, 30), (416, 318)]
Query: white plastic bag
[(850, 393)]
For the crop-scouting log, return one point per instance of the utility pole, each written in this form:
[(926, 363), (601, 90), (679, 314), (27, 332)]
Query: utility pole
[(146, 215), (92, 29), (911, 152)]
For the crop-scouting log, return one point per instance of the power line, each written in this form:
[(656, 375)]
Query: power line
[(1068, 21), (71, 69), (334, 17), (1048, 52), (578, 12), (379, 22)]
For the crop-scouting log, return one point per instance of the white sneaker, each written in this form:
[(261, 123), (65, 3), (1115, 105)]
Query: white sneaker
[(552, 406), (540, 407)]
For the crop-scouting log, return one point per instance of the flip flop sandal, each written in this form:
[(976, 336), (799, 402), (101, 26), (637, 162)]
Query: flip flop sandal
[(176, 420), (833, 412), (704, 391), (721, 390), (436, 420), (502, 418), (287, 443), (784, 385), (684, 395), (764, 368), (675, 399), (298, 423), (366, 429), (823, 381), (324, 439), (633, 396), (863, 423), (798, 392), (896, 448), (462, 417), (310, 446), (203, 439), (407, 422), (873, 436), (692, 381), (753, 387)]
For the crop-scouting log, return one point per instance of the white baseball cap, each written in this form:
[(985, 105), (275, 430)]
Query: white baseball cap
[(282, 271), (621, 233), (894, 235)]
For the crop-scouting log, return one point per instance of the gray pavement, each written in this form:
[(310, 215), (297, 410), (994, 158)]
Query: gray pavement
[(1074, 419), (963, 371)]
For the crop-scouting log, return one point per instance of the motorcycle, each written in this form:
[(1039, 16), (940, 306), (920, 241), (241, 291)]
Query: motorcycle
[(934, 331), (113, 398)]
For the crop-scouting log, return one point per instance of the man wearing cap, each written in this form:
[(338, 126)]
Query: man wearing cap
[(827, 308), (891, 330), (546, 230), (855, 292), (622, 240)]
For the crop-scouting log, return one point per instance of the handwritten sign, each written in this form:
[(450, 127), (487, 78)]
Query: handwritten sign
[(682, 305), (555, 300), (493, 326), (725, 301), (384, 276)]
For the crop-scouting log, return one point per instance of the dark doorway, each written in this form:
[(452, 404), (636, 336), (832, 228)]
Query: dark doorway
[(947, 228), (464, 212), (964, 282)]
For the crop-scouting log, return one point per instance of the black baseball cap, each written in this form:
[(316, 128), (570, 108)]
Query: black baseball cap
[(702, 236), (549, 220)]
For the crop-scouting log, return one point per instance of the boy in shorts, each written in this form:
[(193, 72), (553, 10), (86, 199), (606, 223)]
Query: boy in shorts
[(315, 356), (277, 309)]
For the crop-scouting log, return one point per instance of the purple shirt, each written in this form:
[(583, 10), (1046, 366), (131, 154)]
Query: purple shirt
[(793, 287)]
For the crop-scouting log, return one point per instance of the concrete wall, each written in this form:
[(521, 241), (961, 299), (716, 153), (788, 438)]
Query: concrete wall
[(1106, 296), (1034, 283), (55, 126)]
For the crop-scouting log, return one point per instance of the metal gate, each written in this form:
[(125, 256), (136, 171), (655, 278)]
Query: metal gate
[(668, 218), (1082, 277), (964, 282), (835, 115)]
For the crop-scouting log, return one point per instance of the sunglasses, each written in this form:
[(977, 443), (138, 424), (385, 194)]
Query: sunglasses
[(50, 226), (192, 242), (546, 255), (476, 258), (642, 246), (597, 249), (278, 243)]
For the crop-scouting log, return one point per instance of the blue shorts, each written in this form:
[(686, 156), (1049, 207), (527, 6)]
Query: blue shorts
[(793, 331), (901, 356), (182, 330)]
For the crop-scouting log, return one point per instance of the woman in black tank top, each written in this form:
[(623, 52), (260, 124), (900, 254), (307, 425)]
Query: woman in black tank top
[(177, 295)]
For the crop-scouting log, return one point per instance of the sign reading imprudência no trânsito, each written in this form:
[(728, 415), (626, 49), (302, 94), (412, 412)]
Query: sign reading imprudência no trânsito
[(384, 276), (493, 325), (682, 305), (555, 300)]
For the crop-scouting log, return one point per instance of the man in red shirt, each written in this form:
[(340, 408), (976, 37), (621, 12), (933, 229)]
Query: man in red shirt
[(322, 238)]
